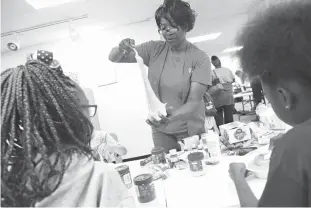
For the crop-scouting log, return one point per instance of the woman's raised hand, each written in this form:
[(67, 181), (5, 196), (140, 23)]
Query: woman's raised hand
[(126, 45)]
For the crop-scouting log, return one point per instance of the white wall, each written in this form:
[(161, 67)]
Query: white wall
[(122, 108)]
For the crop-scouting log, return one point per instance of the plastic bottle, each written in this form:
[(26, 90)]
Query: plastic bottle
[(213, 145), (173, 158), (125, 174), (204, 146), (196, 165)]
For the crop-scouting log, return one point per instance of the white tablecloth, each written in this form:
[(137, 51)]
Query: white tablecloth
[(214, 189)]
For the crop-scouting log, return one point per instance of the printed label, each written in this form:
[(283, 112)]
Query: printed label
[(145, 190), (127, 179), (137, 191), (209, 107), (212, 148), (239, 134), (196, 166), (155, 159)]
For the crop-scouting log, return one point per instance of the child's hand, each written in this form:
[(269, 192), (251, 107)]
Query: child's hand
[(117, 150), (237, 171)]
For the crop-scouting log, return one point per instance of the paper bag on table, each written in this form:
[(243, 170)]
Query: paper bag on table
[(154, 104)]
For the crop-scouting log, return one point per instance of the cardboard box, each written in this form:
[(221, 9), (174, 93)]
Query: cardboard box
[(235, 132), (262, 133)]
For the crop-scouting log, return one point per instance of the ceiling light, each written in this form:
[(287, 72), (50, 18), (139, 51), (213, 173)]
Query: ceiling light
[(202, 38), (14, 45), (40, 4), (233, 49)]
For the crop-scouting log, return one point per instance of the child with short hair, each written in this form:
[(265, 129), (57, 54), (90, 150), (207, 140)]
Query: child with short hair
[(277, 49)]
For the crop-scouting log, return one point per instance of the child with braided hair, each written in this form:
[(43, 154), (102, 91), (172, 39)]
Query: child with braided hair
[(46, 159)]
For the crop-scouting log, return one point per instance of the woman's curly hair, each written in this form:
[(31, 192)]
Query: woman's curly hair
[(41, 118), (178, 13)]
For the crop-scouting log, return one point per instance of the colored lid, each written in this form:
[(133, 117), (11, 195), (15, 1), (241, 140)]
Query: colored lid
[(195, 156), (174, 158), (143, 179), (122, 169), (157, 150)]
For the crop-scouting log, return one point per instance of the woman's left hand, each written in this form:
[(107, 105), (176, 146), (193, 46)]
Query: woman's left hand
[(163, 119)]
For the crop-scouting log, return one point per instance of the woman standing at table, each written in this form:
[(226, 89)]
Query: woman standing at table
[(277, 49), (223, 101), (179, 73)]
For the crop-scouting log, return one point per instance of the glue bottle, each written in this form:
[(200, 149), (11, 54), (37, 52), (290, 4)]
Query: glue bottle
[(213, 146)]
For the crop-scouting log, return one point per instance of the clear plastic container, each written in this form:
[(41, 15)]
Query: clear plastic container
[(196, 163), (158, 155), (145, 189), (125, 175)]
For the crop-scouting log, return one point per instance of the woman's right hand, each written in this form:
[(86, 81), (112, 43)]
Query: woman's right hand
[(126, 45)]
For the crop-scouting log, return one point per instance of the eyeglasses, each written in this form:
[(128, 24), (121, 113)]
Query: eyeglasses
[(91, 108), (168, 29)]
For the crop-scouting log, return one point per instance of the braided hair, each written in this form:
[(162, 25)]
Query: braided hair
[(41, 118)]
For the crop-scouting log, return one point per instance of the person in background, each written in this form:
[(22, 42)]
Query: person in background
[(242, 77), (223, 101), (255, 85), (240, 86), (210, 111), (257, 91), (46, 159), (179, 73), (277, 49)]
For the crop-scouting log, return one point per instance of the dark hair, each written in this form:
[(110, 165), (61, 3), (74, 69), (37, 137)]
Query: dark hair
[(40, 114), (277, 43), (177, 12), (214, 58)]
